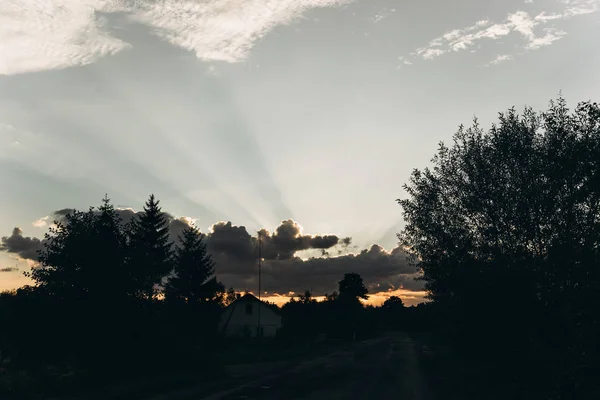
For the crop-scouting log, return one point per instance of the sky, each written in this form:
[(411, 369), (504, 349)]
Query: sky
[(301, 117)]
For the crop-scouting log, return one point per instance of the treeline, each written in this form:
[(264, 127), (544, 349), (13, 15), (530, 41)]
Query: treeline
[(505, 227), (342, 315), (111, 299)]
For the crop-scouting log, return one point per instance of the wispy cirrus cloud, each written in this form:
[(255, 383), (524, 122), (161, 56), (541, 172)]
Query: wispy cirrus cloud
[(52, 34), (537, 31), (501, 58)]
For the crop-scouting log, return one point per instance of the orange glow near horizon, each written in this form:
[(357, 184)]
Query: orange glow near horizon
[(409, 297)]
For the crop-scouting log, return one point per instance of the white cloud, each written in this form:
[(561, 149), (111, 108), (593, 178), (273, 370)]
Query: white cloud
[(552, 35), (519, 22), (41, 35), (501, 58), (579, 7), (42, 222), (429, 54)]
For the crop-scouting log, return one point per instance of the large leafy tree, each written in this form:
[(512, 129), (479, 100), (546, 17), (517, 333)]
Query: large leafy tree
[(506, 224), (83, 257), (393, 303), (192, 279), (352, 288), (65, 263), (519, 202), (150, 250)]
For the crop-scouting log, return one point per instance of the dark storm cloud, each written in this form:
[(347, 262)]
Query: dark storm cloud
[(381, 271), (24, 247), (235, 242), (227, 240)]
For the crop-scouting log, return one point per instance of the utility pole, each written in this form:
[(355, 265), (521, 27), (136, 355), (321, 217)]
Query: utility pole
[(259, 282)]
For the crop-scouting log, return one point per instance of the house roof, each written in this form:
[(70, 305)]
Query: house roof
[(247, 298), (251, 298)]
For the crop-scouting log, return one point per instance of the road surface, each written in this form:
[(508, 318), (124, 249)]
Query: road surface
[(382, 368)]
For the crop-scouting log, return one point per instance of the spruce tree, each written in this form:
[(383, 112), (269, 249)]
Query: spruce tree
[(192, 280), (110, 245), (150, 251)]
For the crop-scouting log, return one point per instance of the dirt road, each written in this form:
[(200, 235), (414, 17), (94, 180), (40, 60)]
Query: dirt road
[(382, 368)]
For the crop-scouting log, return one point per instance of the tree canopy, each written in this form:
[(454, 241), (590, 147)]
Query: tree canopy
[(352, 288), (150, 250), (192, 279), (520, 202)]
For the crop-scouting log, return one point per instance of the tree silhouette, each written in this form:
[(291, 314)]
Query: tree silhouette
[(393, 303), (110, 261), (306, 298), (63, 259), (83, 258), (352, 288), (525, 192), (332, 297), (230, 297), (192, 278), (517, 206), (150, 251)]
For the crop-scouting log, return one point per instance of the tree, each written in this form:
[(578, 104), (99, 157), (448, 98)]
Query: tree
[(519, 202), (517, 206), (81, 285), (306, 298), (332, 297), (83, 257), (65, 261), (150, 257), (110, 255), (192, 278), (352, 288), (393, 303), (230, 297)]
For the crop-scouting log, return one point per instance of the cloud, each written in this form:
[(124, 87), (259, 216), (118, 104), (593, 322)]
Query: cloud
[(501, 58), (520, 23), (551, 36), (24, 247), (41, 35), (381, 271), (42, 222), (235, 252), (52, 34), (236, 244)]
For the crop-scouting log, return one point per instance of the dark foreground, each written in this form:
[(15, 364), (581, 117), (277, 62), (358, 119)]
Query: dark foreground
[(386, 367)]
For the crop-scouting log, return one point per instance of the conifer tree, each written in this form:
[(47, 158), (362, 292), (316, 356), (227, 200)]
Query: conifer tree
[(192, 280), (150, 250)]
